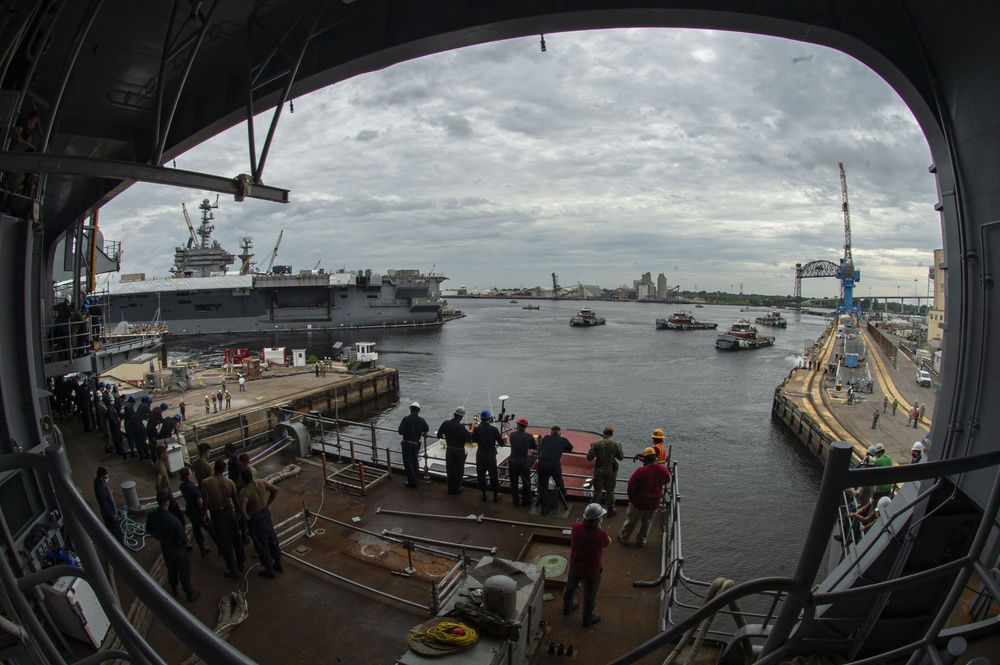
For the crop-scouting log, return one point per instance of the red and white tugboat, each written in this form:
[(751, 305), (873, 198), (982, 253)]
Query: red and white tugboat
[(682, 319), (586, 317), (773, 319), (742, 335)]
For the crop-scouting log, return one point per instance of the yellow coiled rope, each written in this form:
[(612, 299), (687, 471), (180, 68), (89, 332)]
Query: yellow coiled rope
[(442, 633)]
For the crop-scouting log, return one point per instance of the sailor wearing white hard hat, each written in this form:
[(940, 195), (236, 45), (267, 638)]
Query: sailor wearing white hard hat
[(455, 435), (587, 543), (412, 429)]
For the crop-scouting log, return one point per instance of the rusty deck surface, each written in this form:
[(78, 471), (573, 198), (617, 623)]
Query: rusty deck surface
[(305, 616)]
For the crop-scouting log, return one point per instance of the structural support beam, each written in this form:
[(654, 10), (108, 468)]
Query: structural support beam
[(241, 187)]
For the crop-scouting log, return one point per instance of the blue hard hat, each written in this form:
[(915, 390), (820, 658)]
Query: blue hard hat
[(131, 398), (164, 406), (147, 399), (177, 416), (485, 415)]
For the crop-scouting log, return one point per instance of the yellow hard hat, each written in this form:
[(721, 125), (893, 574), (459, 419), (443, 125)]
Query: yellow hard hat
[(657, 433), (649, 452)]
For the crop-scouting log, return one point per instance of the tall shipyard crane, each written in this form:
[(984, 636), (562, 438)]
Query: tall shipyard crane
[(847, 273)]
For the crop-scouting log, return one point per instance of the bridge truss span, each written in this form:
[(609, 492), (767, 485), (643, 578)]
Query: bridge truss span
[(812, 269)]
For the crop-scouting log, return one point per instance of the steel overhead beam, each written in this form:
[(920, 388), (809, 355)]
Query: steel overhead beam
[(241, 187)]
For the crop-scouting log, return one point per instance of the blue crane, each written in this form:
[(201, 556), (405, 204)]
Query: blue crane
[(847, 273)]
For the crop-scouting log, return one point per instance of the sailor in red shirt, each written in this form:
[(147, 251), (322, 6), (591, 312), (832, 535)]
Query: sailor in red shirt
[(586, 548), (645, 490)]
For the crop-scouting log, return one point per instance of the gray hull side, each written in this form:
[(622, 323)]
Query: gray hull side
[(264, 310)]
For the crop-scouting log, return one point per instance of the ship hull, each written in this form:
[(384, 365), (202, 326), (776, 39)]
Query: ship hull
[(733, 343), (248, 304), (666, 324)]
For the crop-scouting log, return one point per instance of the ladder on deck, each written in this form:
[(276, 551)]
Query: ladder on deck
[(356, 478)]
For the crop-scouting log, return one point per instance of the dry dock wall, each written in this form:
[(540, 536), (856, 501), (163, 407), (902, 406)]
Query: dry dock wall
[(808, 432), (249, 427)]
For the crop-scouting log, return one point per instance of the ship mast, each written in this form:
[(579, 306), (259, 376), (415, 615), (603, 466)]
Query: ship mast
[(206, 228)]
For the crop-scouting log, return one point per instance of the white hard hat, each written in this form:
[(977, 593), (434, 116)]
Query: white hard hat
[(917, 446), (594, 511), (415, 405)]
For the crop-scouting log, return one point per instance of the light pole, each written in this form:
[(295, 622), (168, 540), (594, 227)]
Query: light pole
[(900, 299)]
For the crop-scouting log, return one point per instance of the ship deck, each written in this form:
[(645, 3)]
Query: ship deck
[(306, 615), (330, 616)]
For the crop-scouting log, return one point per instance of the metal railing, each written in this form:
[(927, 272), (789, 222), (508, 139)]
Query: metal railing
[(367, 443), (792, 602), (441, 592), (93, 544)]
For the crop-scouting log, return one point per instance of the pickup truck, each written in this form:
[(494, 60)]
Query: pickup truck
[(924, 378)]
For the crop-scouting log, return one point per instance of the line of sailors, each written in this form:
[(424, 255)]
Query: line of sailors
[(129, 426)]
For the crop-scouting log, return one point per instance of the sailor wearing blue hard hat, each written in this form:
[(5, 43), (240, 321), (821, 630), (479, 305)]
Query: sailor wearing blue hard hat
[(487, 438)]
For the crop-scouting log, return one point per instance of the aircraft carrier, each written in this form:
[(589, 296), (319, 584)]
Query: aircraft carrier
[(201, 296)]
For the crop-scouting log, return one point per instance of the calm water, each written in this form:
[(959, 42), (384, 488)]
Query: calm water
[(747, 488)]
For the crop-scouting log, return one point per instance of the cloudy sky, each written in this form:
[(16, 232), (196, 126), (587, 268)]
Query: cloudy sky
[(708, 156)]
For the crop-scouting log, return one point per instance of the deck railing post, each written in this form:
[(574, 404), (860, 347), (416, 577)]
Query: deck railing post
[(305, 518), (371, 428), (427, 477), (435, 598), (388, 460), (361, 474), (336, 418), (825, 514), (351, 442)]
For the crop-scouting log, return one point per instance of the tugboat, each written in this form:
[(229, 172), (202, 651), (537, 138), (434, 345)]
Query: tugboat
[(684, 320), (773, 319), (586, 317), (742, 335), (532, 307)]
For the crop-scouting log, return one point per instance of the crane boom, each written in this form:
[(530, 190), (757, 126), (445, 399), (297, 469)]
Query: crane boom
[(848, 275), (848, 258), (274, 252), (187, 218)]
